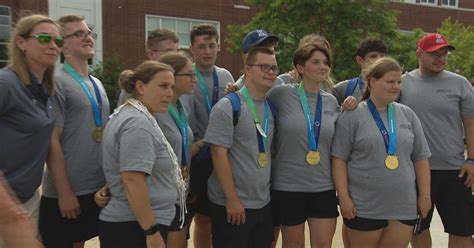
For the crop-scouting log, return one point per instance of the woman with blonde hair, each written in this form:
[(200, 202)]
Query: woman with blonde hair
[(380, 163), (140, 166), (26, 114)]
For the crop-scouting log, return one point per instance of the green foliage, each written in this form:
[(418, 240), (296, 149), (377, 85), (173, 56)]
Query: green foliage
[(462, 37), (108, 72), (343, 22), (403, 48)]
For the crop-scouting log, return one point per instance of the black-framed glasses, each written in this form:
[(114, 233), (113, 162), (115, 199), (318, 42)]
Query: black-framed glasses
[(45, 39), (267, 68), (191, 75), (81, 34)]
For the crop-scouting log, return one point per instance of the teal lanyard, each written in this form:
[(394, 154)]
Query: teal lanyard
[(180, 119), (314, 128), (261, 133)]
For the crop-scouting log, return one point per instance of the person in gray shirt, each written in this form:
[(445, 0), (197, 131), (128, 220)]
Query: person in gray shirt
[(444, 102), (368, 51), (302, 187), (211, 83), (74, 161), (239, 186), (378, 147), (175, 126), (140, 166)]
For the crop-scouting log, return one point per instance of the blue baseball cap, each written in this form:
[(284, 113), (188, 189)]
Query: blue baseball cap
[(255, 38)]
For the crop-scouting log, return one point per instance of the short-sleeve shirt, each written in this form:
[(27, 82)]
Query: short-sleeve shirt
[(252, 182), (377, 192), (290, 171), (199, 116), (339, 91), (441, 102), (82, 154), (131, 143), (26, 126)]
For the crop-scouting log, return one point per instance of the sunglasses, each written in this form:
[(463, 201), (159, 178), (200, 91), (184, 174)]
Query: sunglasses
[(45, 39)]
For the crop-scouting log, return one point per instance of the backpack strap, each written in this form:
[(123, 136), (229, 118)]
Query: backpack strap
[(351, 86), (235, 102)]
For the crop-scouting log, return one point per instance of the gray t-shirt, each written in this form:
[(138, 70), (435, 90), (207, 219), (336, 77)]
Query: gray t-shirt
[(82, 154), (26, 125), (441, 102), (173, 135), (252, 183), (290, 170), (131, 143), (199, 116), (241, 82), (339, 91), (377, 192)]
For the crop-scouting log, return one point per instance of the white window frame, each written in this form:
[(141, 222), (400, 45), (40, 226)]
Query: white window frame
[(9, 26), (450, 6), (188, 42), (428, 3)]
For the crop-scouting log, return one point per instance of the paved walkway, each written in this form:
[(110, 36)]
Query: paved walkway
[(440, 239)]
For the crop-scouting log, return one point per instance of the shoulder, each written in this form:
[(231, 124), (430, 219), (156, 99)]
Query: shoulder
[(222, 71), (286, 78), (341, 84), (455, 77), (407, 111), (278, 91), (329, 97), (8, 79)]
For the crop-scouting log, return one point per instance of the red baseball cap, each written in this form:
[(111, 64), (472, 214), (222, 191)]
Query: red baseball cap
[(432, 42)]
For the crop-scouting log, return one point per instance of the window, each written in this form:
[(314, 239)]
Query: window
[(180, 25), (5, 26), (449, 3), (433, 2)]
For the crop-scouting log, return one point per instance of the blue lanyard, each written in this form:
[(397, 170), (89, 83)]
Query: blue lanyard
[(390, 137), (314, 129), (251, 105), (96, 106), (203, 87), (180, 119)]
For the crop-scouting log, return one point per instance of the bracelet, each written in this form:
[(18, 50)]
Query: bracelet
[(470, 160), (152, 230)]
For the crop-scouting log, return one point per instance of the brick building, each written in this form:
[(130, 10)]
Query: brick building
[(123, 25)]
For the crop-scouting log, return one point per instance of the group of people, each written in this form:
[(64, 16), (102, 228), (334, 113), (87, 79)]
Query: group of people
[(245, 160)]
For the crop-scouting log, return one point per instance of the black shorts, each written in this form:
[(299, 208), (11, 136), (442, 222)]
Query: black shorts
[(452, 200), (57, 231), (188, 217), (257, 232), (294, 208), (364, 224), (201, 169), (125, 234)]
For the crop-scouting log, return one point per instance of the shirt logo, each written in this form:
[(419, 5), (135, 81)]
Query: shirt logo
[(444, 91)]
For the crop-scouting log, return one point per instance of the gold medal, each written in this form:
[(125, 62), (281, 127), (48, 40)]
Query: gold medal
[(262, 160), (313, 157), (185, 172), (97, 134), (391, 162)]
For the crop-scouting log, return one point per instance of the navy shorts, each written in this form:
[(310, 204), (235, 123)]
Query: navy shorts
[(452, 199), (200, 171), (294, 208), (125, 234)]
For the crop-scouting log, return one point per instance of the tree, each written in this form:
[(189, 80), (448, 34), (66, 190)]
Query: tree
[(343, 22), (462, 37), (108, 72)]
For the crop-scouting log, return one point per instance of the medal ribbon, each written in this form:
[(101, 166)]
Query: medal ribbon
[(313, 128), (248, 99), (203, 87), (390, 137), (96, 106), (181, 120)]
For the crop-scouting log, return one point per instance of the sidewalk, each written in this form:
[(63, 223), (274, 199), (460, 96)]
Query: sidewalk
[(440, 239)]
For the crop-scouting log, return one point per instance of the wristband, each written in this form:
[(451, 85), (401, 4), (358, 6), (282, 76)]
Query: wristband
[(152, 230), (470, 160)]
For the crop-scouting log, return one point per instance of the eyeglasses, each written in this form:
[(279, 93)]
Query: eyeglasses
[(81, 34), (45, 39), (190, 75), (267, 68)]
